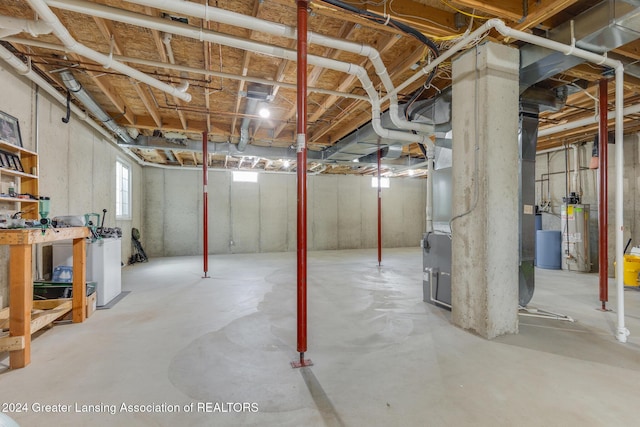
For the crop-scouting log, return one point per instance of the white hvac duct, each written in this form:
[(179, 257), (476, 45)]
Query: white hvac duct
[(215, 14), (252, 105), (41, 8), (185, 30), (158, 64)]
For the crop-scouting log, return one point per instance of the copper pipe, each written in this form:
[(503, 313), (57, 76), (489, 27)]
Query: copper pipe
[(603, 217)]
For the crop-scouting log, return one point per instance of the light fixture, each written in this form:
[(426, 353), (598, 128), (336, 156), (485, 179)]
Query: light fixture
[(264, 112), (411, 172), (356, 160), (286, 164)]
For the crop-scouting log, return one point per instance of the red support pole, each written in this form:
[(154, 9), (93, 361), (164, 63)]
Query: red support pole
[(301, 171), (603, 216), (205, 204), (379, 212)]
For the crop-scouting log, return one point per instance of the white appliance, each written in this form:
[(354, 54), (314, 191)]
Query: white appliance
[(103, 265)]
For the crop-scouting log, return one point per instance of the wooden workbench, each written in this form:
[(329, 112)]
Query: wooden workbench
[(20, 243)]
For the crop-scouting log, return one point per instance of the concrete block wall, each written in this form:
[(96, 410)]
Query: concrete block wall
[(77, 165), (261, 217), (551, 184)]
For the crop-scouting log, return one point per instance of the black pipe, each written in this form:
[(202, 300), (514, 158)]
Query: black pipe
[(384, 20)]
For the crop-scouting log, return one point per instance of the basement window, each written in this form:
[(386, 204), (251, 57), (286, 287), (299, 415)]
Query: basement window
[(244, 176), (123, 190), (384, 182)]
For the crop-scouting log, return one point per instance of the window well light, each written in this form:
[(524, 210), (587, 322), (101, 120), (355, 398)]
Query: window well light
[(245, 176), (384, 182)]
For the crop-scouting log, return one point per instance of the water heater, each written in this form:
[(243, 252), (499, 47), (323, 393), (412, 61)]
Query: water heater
[(575, 237)]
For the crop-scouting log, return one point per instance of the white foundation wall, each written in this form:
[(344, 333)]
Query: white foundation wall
[(261, 217), (77, 164)]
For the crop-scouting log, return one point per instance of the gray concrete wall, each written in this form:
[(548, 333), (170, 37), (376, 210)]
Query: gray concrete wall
[(551, 186), (77, 165), (261, 217)]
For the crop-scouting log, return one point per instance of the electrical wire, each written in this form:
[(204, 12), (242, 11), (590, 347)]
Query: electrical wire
[(416, 17), (388, 21), (472, 15)]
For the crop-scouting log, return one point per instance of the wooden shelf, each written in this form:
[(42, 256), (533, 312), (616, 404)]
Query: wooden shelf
[(16, 200), (25, 182), (19, 174), (5, 146)]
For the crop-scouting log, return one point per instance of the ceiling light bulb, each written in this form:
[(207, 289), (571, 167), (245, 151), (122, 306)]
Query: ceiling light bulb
[(286, 163), (264, 113), (411, 172)]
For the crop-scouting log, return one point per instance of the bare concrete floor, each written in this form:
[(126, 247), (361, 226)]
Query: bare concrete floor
[(381, 356)]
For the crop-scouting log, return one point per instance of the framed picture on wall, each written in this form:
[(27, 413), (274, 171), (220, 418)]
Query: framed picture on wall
[(10, 129)]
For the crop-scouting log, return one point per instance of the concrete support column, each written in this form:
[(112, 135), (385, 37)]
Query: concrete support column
[(485, 228)]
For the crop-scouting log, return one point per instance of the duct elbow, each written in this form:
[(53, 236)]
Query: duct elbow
[(186, 97), (369, 52), (499, 25), (183, 86)]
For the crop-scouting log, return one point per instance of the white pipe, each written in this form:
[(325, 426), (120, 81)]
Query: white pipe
[(166, 39), (23, 69), (215, 14), (185, 30), (574, 175), (158, 64), (632, 109), (430, 172), (34, 28), (622, 332), (41, 8)]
